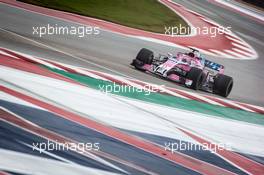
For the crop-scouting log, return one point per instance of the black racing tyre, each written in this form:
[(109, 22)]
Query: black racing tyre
[(145, 55), (223, 85), (195, 74), (138, 64)]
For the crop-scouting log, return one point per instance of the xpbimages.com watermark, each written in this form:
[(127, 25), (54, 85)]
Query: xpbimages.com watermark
[(188, 146), (183, 30), (117, 88), (67, 146), (79, 31)]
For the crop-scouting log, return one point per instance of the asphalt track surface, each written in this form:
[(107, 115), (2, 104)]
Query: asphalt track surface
[(113, 53)]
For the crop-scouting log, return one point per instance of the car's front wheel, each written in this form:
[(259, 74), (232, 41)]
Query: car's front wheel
[(223, 85), (196, 75), (145, 55)]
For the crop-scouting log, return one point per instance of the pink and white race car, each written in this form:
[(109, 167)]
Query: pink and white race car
[(189, 69)]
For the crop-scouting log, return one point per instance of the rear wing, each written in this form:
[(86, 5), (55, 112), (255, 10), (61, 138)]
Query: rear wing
[(214, 66)]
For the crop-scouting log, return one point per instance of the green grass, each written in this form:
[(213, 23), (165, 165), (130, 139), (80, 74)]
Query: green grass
[(149, 15)]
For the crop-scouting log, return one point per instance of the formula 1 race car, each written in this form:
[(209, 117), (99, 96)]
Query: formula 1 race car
[(190, 69)]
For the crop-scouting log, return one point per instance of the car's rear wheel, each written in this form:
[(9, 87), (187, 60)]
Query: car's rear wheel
[(195, 74), (223, 85), (145, 55)]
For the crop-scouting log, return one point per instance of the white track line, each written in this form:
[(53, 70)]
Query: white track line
[(220, 53), (210, 22), (200, 97), (146, 85), (232, 103), (241, 51), (253, 106), (79, 70), (4, 53), (242, 47), (242, 10), (34, 59), (89, 74), (82, 71), (235, 53), (195, 13), (233, 36), (171, 92), (234, 39), (162, 89), (19, 117), (167, 90), (126, 81), (41, 61), (236, 105)]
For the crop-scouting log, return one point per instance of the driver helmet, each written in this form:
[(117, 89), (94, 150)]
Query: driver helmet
[(191, 54)]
